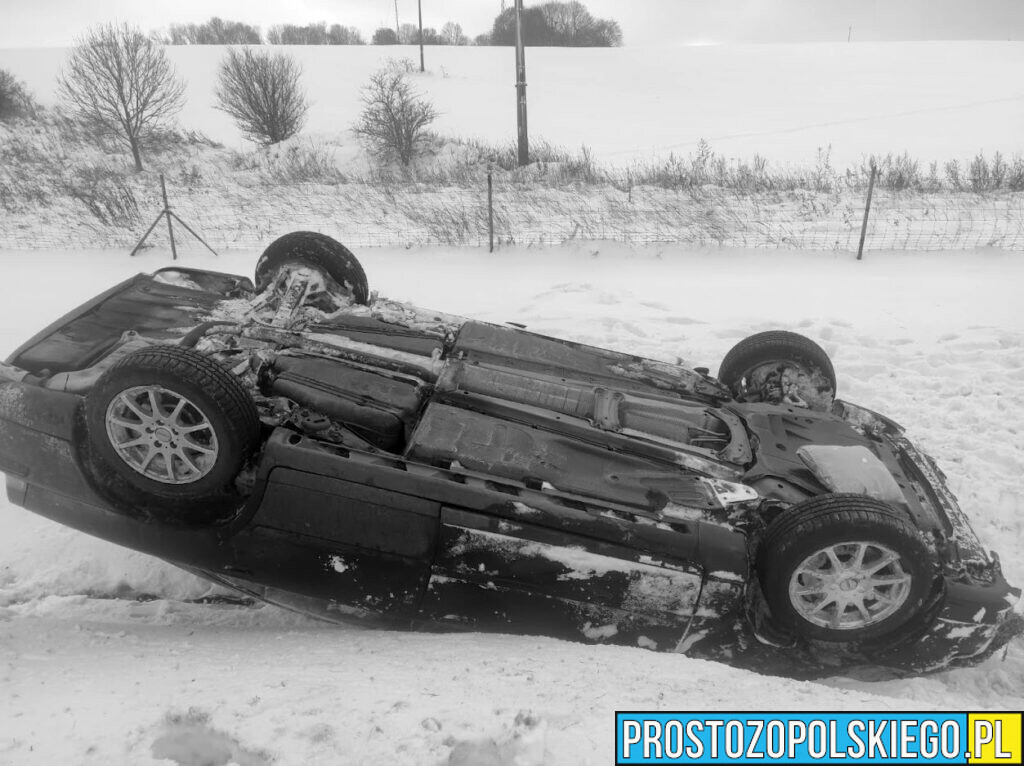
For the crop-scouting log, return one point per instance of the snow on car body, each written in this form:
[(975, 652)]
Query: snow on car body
[(315, 446)]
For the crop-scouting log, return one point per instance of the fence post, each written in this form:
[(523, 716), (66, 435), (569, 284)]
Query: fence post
[(490, 210), (867, 212)]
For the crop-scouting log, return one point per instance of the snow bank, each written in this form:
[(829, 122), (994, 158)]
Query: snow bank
[(131, 690)]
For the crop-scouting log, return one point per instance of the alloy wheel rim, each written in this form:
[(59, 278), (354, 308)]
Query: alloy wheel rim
[(849, 585), (161, 434)]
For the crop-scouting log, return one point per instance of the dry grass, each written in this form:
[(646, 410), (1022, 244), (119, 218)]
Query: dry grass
[(52, 174), (108, 195)]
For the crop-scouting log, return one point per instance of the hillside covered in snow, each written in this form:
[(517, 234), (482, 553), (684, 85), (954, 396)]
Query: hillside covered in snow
[(748, 146), (937, 100)]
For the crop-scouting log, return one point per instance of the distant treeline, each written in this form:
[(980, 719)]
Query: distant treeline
[(557, 24), (219, 31), (560, 24)]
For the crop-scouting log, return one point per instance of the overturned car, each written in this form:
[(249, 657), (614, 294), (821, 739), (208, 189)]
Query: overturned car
[(312, 445)]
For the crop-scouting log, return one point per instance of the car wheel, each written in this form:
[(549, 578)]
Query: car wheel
[(170, 429), (844, 568), (780, 366), (319, 251)]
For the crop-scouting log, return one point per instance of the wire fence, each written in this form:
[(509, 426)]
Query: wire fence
[(369, 215)]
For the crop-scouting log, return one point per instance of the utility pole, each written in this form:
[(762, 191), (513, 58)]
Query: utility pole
[(398, 33), (524, 141), (419, 4)]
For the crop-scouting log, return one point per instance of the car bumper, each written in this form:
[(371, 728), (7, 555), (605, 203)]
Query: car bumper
[(973, 620), (976, 610)]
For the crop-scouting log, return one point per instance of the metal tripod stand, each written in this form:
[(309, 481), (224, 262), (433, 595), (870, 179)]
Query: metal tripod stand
[(169, 214)]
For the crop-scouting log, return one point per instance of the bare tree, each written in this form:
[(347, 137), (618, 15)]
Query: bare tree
[(557, 23), (15, 99), (395, 118), (298, 34), (316, 33), (451, 34), (261, 90), (606, 33), (342, 35), (120, 82), (535, 27), (570, 22), (216, 31), (408, 34)]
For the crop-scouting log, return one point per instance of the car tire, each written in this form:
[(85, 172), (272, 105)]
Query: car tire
[(318, 251), (743, 369), (845, 569), (169, 430)]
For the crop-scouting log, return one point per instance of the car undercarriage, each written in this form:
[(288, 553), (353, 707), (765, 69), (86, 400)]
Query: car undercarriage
[(311, 443)]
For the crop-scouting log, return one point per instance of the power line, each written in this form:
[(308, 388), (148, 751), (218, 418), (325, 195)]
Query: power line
[(826, 124)]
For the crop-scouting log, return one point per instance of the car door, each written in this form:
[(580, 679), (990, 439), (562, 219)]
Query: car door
[(529, 570), (364, 550)]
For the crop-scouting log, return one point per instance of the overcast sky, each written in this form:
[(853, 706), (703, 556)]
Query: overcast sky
[(26, 23)]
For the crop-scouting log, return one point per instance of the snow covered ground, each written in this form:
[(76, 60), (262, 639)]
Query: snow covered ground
[(92, 675), (939, 100)]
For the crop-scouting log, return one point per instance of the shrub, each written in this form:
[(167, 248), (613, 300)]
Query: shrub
[(342, 35), (122, 84), (953, 175), (1015, 174), (404, 65), (304, 165), (216, 31), (385, 36), (452, 34), (980, 176), (998, 170), (571, 24), (395, 118), (31, 164), (898, 172), (15, 100), (409, 34), (169, 139), (261, 91), (317, 33), (104, 194)]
